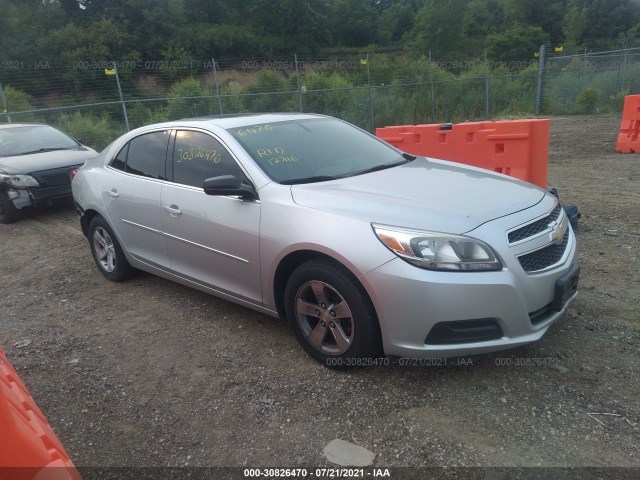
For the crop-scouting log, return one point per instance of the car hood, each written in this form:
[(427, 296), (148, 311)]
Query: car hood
[(424, 194), (23, 164)]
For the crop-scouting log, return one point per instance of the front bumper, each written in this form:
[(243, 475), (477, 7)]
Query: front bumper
[(27, 197), (20, 197), (411, 301)]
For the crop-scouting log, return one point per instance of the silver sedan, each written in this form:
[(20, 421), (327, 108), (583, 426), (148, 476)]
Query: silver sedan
[(366, 250)]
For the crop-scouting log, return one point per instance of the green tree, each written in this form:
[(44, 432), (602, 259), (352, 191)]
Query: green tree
[(575, 23), (606, 19), (483, 17), (546, 14), (352, 22), (516, 43), (394, 22), (438, 27)]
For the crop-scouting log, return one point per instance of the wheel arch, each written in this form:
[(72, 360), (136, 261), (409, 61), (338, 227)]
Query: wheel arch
[(85, 220), (293, 260)]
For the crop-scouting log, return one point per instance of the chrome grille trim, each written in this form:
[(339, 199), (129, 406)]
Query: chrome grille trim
[(537, 227)]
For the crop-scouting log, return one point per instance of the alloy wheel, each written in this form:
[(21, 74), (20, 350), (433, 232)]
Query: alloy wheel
[(324, 317), (104, 249)]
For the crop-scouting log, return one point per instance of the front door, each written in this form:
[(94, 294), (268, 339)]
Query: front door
[(212, 240)]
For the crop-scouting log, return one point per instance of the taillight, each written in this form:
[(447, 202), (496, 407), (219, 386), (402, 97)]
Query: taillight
[(72, 173)]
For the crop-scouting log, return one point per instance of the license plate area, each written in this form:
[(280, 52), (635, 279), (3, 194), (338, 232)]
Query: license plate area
[(566, 287)]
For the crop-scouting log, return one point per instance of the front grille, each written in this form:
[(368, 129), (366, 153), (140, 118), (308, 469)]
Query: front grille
[(545, 257), (536, 227), (55, 177)]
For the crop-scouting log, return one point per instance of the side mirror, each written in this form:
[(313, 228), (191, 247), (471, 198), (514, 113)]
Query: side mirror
[(228, 185)]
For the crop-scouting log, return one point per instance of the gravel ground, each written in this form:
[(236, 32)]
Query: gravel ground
[(151, 373)]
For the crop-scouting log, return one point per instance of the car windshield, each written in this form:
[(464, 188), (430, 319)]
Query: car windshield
[(315, 150), (27, 139)]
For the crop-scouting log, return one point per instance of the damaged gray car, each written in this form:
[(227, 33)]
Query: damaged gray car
[(35, 163)]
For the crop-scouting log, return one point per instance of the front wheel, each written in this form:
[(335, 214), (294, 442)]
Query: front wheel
[(107, 252), (331, 315)]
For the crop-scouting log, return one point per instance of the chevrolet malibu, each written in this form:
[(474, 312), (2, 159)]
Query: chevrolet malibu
[(364, 249)]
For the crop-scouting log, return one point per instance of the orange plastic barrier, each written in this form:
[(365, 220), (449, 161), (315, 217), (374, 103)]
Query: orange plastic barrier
[(29, 449), (519, 148), (628, 141)]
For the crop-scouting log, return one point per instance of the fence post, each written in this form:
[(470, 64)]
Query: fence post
[(217, 83), (539, 91), (486, 86), (371, 112), (5, 105), (124, 105), (584, 67), (433, 103), (623, 64), (295, 58)]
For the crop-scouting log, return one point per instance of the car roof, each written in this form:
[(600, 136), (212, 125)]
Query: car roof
[(18, 125), (241, 120)]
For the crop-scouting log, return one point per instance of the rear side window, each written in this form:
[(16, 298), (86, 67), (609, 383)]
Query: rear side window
[(145, 155), (198, 156), (120, 162)]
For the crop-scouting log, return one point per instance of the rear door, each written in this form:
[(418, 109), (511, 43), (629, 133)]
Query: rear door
[(212, 240), (131, 195)]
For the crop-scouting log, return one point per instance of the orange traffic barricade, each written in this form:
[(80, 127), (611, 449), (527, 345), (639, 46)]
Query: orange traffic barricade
[(29, 449), (628, 141), (519, 148)]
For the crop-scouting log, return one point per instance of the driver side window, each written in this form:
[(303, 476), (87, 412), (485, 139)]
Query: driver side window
[(198, 156)]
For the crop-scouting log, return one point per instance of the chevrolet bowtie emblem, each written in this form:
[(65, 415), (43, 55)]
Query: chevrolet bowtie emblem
[(558, 229)]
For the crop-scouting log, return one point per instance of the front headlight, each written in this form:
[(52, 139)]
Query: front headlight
[(19, 180), (439, 251)]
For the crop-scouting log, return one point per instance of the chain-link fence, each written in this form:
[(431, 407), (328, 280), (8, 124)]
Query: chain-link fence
[(589, 82), (97, 101)]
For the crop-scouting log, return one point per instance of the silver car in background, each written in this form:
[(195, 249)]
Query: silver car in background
[(366, 250)]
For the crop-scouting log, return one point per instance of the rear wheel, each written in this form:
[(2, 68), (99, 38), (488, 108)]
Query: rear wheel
[(8, 211), (107, 252), (331, 315)]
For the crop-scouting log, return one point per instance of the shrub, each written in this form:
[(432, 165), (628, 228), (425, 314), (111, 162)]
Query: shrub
[(587, 100), (616, 102), (190, 100), (17, 101), (270, 93), (95, 131)]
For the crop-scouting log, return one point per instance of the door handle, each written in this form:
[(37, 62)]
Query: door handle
[(113, 193), (173, 210)]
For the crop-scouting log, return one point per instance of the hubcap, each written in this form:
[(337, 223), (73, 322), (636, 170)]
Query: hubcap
[(324, 317), (105, 251)]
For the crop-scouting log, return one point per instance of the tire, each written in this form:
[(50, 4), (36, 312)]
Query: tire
[(8, 211), (107, 253), (331, 315)]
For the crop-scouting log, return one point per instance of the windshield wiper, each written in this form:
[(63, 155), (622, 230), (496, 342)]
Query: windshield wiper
[(40, 150), (315, 178), (407, 158)]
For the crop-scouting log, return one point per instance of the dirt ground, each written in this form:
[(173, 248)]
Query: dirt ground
[(151, 373)]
